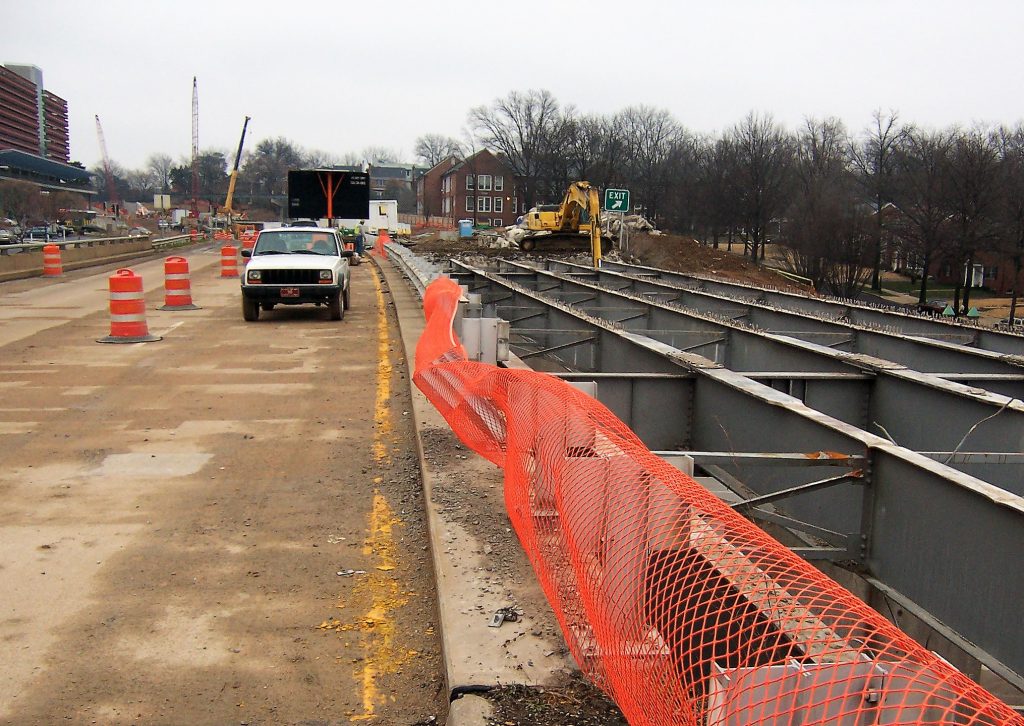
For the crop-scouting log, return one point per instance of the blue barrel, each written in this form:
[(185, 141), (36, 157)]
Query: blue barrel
[(465, 228)]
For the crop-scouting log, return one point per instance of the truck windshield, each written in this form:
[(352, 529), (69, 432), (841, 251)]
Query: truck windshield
[(296, 242)]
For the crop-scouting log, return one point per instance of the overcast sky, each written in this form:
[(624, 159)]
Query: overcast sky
[(339, 76)]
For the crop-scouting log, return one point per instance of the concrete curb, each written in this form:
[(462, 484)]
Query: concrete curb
[(530, 651)]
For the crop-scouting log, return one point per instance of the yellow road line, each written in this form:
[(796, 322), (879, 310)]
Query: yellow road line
[(382, 411), (378, 624)]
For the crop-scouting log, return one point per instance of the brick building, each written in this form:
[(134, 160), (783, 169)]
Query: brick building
[(428, 188), (481, 187), (32, 119)]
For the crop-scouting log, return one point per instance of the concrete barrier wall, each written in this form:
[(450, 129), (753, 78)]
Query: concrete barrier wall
[(28, 262)]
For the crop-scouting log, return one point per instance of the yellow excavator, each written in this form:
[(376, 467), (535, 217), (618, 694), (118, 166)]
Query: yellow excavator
[(579, 213)]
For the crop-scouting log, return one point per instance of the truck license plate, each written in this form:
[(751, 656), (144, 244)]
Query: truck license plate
[(289, 292)]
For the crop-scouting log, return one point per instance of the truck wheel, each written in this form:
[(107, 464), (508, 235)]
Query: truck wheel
[(268, 306), (346, 299), (250, 309), (336, 308)]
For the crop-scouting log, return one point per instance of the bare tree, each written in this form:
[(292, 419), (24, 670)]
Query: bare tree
[(873, 157), (972, 170), (20, 200), (656, 146), (828, 224), (317, 159), (160, 165), (1010, 214), (266, 169), (523, 127), (920, 193), (142, 183), (761, 175), (380, 155), (715, 195), (432, 149)]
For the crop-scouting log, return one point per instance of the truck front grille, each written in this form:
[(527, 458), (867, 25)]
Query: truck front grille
[(291, 277)]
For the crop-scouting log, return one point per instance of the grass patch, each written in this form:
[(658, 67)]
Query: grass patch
[(937, 291)]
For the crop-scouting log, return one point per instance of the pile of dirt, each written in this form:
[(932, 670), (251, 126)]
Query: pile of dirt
[(571, 702), (685, 254), (667, 251)]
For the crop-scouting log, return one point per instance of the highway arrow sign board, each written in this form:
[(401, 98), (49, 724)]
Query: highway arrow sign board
[(616, 200)]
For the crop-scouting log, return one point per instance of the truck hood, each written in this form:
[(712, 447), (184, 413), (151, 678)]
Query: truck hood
[(293, 262)]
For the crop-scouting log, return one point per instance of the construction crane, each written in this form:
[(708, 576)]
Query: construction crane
[(234, 173), (107, 173), (195, 149)]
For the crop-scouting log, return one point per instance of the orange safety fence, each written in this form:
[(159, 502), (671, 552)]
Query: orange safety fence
[(683, 611)]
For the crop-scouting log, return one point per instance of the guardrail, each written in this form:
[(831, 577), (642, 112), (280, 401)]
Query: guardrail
[(72, 243), (419, 271), (25, 259)]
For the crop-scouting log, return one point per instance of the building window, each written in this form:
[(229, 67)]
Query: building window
[(447, 205), (514, 207), (499, 183), (483, 204), (499, 204), (483, 182), (497, 223), (469, 204), (469, 181)]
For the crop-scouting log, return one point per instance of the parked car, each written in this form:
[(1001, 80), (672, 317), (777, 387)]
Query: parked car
[(933, 307), (8, 236), (162, 224), (38, 232), (136, 231)]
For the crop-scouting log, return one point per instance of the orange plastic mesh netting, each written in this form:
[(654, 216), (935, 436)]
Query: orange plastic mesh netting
[(680, 609)]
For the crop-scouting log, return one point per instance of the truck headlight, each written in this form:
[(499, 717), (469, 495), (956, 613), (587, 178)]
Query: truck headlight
[(326, 276), (254, 275)]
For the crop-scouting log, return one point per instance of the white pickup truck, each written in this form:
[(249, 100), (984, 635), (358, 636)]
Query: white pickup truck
[(295, 266)]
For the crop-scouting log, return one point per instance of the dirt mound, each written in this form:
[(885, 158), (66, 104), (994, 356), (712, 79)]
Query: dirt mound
[(667, 251), (685, 254)]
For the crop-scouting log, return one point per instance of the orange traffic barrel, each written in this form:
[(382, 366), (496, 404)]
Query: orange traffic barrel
[(382, 239), (127, 310), (228, 261), (52, 266), (194, 234), (177, 289)]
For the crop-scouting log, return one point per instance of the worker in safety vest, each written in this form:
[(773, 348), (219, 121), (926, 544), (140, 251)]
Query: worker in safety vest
[(360, 237)]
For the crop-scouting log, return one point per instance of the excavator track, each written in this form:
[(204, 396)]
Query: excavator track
[(561, 242)]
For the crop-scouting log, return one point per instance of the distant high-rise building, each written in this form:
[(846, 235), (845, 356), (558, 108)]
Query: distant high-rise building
[(32, 119)]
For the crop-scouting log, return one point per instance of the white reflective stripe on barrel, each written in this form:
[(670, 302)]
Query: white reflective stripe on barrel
[(127, 295), (127, 318)]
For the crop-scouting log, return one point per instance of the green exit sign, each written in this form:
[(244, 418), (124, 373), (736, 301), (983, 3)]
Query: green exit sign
[(616, 200)]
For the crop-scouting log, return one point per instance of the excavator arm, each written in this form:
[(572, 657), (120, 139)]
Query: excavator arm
[(580, 207), (579, 211)]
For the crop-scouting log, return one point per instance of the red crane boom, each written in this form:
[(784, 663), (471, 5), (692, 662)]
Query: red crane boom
[(195, 148)]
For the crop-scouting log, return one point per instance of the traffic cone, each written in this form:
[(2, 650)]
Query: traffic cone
[(228, 261), (127, 310), (382, 239), (52, 266), (177, 289)]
